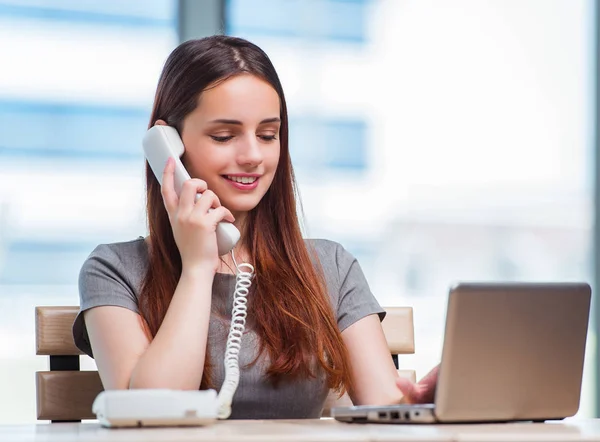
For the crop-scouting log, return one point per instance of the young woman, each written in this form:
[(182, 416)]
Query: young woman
[(155, 311)]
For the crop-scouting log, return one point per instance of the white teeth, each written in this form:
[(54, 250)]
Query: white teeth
[(243, 180)]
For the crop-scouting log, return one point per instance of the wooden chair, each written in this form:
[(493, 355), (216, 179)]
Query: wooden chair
[(65, 393)]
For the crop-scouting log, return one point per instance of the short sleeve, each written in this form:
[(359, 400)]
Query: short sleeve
[(101, 282), (355, 298)]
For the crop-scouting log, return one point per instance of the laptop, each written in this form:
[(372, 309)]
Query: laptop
[(512, 352)]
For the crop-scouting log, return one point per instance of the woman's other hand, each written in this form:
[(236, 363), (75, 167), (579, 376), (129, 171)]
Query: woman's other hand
[(423, 392)]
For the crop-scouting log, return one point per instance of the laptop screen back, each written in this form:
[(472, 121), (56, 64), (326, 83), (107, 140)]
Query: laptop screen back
[(513, 352)]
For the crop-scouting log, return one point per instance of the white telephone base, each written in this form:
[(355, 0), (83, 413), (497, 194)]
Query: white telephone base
[(158, 407)]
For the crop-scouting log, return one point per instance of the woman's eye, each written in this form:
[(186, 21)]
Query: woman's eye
[(222, 139), (267, 137)]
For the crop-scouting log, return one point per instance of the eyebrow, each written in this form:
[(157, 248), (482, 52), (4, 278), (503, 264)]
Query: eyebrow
[(239, 123)]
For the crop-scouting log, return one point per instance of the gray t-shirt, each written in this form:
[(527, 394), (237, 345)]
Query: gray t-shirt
[(113, 274)]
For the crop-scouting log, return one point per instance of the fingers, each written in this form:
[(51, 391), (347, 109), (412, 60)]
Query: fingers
[(408, 389), (208, 211), (168, 187), (431, 377), (428, 396), (428, 384), (189, 190), (416, 393), (221, 214), (190, 199), (207, 201)]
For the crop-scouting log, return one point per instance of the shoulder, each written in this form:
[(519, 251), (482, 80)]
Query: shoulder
[(323, 247), (333, 258), (347, 286), (121, 252), (128, 260), (111, 275), (135, 248), (328, 251)]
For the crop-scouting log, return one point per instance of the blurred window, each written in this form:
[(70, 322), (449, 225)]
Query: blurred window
[(337, 20)]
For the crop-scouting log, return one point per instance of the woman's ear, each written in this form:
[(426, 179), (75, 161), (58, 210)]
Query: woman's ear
[(160, 123)]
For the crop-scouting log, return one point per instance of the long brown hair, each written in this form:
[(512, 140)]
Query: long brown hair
[(291, 310)]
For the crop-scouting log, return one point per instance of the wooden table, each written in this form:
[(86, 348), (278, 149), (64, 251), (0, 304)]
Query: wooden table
[(323, 430)]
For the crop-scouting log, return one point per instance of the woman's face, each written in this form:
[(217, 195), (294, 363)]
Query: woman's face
[(232, 141)]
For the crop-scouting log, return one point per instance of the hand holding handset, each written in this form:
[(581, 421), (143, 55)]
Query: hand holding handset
[(162, 142)]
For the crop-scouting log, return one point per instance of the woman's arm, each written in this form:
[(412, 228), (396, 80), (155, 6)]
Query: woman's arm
[(376, 381), (373, 372), (174, 359), (125, 356)]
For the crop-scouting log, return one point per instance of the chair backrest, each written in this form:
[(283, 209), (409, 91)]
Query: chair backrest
[(65, 393)]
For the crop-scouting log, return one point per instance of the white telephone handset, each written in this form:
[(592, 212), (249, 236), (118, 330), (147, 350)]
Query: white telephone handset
[(162, 142)]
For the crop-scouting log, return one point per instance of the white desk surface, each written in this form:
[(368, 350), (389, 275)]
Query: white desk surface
[(319, 430)]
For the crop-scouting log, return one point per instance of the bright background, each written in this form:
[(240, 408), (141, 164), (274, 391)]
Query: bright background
[(436, 140)]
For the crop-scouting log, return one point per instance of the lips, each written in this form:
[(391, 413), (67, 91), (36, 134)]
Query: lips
[(245, 182)]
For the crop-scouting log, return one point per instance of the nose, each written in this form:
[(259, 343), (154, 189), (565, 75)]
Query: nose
[(250, 153)]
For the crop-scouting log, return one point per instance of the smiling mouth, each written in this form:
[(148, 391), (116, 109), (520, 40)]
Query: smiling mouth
[(241, 180)]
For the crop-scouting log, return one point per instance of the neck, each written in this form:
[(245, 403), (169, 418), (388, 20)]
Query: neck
[(240, 220), (227, 265), (240, 251)]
